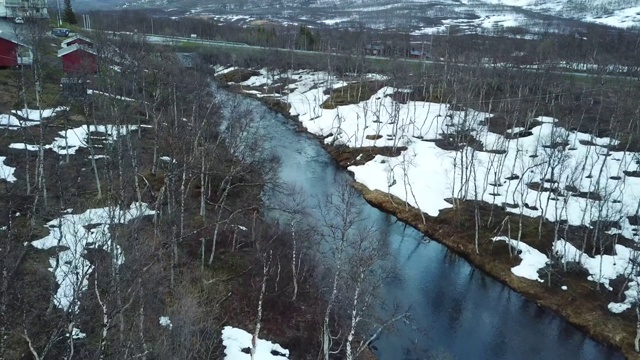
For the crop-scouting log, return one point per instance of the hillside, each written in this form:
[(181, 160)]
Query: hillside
[(130, 218), (406, 15)]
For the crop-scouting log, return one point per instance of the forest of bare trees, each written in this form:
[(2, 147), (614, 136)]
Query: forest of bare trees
[(569, 194), (135, 225), (587, 47)]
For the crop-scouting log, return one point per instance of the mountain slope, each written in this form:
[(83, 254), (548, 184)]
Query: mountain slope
[(608, 12), (617, 13)]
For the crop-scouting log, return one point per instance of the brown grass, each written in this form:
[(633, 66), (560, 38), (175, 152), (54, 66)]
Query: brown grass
[(347, 156), (276, 105), (351, 94), (238, 75)]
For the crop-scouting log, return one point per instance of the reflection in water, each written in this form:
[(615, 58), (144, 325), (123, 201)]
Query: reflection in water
[(457, 311)]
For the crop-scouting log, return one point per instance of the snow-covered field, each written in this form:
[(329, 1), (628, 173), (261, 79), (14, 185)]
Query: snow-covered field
[(472, 25), (590, 181)]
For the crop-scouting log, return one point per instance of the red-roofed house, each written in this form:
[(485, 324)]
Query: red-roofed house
[(13, 52), (78, 39), (78, 60)]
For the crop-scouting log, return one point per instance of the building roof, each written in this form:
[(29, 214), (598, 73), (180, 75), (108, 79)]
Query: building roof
[(11, 37), (69, 49), (76, 37)]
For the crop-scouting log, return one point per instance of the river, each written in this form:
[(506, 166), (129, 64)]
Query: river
[(457, 312)]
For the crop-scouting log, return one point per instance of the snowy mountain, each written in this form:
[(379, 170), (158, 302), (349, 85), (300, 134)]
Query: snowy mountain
[(615, 13), (414, 14)]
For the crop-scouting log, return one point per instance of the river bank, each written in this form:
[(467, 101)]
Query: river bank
[(581, 305)]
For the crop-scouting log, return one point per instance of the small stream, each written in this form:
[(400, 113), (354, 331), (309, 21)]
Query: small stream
[(457, 312)]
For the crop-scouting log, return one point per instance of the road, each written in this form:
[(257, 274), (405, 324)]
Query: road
[(171, 40)]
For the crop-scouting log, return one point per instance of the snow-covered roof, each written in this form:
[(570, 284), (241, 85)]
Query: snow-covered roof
[(69, 49), (11, 37), (76, 37)]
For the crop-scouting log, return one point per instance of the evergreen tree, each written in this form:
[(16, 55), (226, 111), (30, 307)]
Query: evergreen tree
[(69, 16)]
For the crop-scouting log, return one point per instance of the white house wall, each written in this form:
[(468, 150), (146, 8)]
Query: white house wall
[(31, 8)]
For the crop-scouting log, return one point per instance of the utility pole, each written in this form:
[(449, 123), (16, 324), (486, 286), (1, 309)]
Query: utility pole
[(59, 15), (86, 21)]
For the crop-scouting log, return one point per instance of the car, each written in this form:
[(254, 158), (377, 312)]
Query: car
[(19, 20), (60, 32)]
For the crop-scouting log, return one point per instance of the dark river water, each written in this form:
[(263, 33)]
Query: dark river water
[(457, 312)]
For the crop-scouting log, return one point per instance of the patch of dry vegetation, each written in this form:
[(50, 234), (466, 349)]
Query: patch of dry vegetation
[(351, 94)]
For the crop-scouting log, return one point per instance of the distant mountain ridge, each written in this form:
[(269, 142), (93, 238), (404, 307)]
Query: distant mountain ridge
[(616, 13)]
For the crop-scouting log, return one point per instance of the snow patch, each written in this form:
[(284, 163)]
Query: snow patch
[(235, 340), (6, 172), (96, 157), (72, 235), (12, 123), (166, 322), (38, 115), (81, 137), (167, 159), (532, 259), (337, 20), (220, 70)]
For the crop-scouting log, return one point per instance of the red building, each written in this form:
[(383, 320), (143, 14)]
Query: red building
[(12, 52), (78, 60), (78, 39)]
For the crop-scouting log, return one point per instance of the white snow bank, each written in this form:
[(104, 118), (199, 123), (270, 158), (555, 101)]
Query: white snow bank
[(76, 233), (632, 296), (23, 146), (234, 340), (38, 115), (12, 123), (584, 164), (300, 81), (167, 159), (219, 70), (623, 18), (74, 139), (604, 268), (6, 172), (532, 259)]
